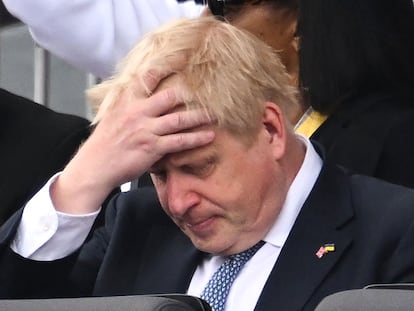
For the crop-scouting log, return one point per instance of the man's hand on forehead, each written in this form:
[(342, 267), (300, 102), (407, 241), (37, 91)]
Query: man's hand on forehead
[(141, 130), (133, 134)]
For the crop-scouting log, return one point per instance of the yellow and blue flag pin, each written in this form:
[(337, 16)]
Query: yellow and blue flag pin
[(329, 247)]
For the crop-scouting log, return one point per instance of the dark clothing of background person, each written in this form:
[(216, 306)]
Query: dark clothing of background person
[(36, 142), (371, 134)]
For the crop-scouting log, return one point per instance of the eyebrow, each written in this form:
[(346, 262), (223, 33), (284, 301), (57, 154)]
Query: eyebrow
[(208, 157)]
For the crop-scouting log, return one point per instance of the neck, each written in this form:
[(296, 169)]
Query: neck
[(295, 156), (299, 113)]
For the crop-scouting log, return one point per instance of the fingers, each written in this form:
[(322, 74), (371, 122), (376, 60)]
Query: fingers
[(154, 105), (184, 141), (180, 121), (162, 102), (152, 78), (144, 86)]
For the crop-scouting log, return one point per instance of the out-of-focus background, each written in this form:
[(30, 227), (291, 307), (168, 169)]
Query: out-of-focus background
[(66, 83)]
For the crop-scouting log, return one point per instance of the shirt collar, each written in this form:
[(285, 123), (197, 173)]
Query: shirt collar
[(296, 196)]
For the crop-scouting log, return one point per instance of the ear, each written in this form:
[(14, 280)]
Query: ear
[(292, 29), (295, 43), (294, 48), (275, 128)]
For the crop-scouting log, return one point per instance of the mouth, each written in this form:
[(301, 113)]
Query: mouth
[(201, 227)]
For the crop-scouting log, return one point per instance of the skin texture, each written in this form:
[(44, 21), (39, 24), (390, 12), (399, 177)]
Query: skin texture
[(138, 131), (190, 185)]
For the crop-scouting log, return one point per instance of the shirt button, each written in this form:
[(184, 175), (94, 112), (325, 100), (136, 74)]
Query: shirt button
[(46, 228)]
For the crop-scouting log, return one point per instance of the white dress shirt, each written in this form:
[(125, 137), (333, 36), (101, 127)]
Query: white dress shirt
[(257, 270), (94, 35), (44, 234)]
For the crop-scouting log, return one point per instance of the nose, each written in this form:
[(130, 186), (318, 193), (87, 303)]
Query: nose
[(180, 195)]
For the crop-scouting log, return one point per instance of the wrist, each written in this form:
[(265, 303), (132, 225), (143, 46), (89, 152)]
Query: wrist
[(76, 194)]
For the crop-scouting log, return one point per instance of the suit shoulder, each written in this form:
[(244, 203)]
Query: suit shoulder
[(379, 196), (26, 112), (136, 206)]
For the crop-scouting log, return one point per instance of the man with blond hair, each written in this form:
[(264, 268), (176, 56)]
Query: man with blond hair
[(205, 108)]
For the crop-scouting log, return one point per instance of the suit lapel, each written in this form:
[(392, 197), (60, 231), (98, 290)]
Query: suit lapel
[(168, 269), (298, 271)]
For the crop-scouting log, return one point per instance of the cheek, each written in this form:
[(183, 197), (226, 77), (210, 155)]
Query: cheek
[(162, 195), (232, 189)]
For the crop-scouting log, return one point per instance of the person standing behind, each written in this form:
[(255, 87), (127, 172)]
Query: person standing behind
[(356, 67), (97, 33), (36, 142)]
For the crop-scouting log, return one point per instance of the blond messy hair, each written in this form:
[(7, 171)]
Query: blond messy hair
[(228, 72)]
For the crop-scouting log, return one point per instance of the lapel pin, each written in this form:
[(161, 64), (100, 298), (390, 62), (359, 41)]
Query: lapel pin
[(330, 247)]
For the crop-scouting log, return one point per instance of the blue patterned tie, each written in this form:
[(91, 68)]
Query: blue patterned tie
[(218, 287)]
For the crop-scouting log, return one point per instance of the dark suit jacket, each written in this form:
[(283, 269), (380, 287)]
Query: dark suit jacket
[(35, 143), (141, 251), (372, 134)]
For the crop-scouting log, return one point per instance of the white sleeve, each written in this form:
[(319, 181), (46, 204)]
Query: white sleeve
[(44, 234), (94, 35)]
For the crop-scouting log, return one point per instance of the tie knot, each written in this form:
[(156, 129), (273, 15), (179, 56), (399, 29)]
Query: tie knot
[(243, 257), (218, 287)]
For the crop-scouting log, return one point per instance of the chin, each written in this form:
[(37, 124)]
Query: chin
[(215, 248), (206, 246)]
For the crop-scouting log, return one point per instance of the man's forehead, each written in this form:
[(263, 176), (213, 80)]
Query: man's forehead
[(187, 156), (222, 138)]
